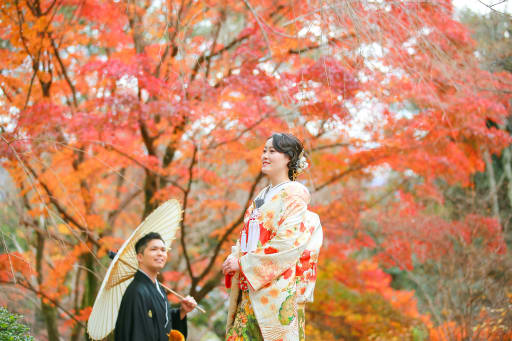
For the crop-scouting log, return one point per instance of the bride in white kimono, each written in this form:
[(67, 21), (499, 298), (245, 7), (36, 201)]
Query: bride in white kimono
[(272, 269)]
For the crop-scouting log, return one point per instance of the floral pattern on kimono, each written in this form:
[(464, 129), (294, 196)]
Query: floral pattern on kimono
[(307, 265), (245, 327), (282, 270)]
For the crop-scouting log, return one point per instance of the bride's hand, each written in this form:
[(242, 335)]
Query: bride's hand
[(230, 265)]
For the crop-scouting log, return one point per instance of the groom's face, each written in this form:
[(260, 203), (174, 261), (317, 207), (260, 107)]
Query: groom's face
[(154, 256)]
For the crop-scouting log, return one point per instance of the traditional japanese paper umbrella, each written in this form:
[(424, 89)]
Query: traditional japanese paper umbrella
[(165, 220)]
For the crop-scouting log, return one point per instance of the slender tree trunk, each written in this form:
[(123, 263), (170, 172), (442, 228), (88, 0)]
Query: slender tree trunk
[(492, 186), (150, 188), (91, 285), (49, 312), (75, 334), (508, 173), (507, 168)]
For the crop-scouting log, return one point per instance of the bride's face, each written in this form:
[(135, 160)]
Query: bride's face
[(273, 162)]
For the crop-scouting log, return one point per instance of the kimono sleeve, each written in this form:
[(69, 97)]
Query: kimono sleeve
[(282, 252), (133, 323), (177, 322)]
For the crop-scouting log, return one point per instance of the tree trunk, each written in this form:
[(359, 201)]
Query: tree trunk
[(508, 173), (49, 311), (150, 188), (493, 190), (75, 333), (91, 285)]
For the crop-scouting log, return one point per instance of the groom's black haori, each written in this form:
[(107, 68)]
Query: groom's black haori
[(145, 313)]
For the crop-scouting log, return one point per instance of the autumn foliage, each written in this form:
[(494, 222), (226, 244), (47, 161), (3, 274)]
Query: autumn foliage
[(110, 107)]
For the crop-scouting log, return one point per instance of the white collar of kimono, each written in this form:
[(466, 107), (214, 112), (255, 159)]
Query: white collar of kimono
[(249, 242), (273, 189)]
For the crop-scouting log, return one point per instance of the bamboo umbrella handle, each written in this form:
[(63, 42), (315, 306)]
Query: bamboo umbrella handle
[(181, 297)]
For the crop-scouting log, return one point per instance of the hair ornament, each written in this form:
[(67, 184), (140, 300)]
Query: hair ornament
[(302, 164)]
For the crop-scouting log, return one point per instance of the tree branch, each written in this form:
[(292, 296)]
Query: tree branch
[(259, 22), (340, 176), (131, 158), (233, 226), (50, 7), (185, 203), (29, 287), (263, 118), (61, 209), (171, 40), (148, 140), (214, 44), (328, 146), (64, 72), (29, 92), (6, 94), (52, 199), (316, 46), (20, 28), (491, 7), (112, 216), (208, 286), (204, 58)]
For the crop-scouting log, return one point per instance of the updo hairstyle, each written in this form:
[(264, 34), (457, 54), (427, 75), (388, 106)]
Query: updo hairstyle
[(291, 146)]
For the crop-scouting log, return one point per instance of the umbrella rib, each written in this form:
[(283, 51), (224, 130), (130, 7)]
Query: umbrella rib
[(120, 281), (127, 264)]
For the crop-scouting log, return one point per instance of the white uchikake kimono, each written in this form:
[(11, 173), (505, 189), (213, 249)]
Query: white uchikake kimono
[(281, 270)]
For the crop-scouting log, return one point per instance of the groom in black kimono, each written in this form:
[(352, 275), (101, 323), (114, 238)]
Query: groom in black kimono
[(145, 313)]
